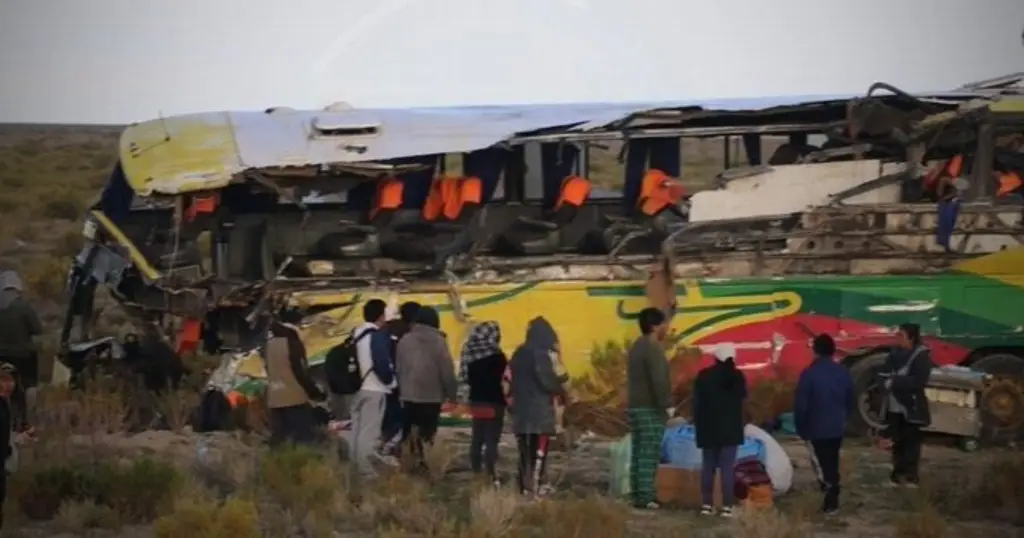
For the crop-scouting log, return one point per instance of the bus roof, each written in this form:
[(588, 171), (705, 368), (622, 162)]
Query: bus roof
[(206, 151)]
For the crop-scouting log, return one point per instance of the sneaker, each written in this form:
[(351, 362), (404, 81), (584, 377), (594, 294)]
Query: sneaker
[(833, 512), (726, 512), (389, 460), (910, 485), (496, 483), (653, 505), (545, 490), (707, 510)]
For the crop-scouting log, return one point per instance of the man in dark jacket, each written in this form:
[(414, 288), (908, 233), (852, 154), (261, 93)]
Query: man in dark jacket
[(19, 325), (649, 402), (535, 384), (906, 373), (290, 389), (427, 373), (824, 401), (718, 395)]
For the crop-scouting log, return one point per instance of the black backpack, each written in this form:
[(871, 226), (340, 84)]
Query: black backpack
[(341, 366)]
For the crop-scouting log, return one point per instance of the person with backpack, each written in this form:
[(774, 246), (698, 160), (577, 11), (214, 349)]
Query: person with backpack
[(718, 395), (906, 372), (427, 372), (368, 377), (290, 389), (823, 403)]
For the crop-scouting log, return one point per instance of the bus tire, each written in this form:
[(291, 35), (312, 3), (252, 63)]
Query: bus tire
[(866, 383), (1002, 402)]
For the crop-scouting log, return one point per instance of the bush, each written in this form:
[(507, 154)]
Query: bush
[(139, 490), (41, 492), (301, 479), (202, 518), (136, 491)]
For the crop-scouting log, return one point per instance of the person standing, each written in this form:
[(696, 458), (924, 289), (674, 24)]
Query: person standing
[(377, 380), (649, 402), (824, 401), (906, 372), (481, 366), (534, 385), (427, 371), (394, 414), (20, 326), (718, 395), (290, 389)]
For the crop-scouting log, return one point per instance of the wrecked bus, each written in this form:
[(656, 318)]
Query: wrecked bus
[(211, 218)]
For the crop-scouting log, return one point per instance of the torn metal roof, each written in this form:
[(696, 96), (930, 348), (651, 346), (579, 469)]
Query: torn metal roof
[(208, 150)]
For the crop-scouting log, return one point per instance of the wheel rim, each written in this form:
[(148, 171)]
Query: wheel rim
[(1003, 403), (869, 403)]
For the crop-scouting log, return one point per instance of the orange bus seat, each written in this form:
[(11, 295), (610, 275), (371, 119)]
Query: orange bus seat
[(659, 191), (442, 189), (390, 196), (201, 205), (467, 191), (1008, 183), (189, 336), (952, 167), (449, 196), (574, 192)]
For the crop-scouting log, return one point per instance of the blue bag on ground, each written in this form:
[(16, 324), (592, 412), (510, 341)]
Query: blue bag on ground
[(679, 448)]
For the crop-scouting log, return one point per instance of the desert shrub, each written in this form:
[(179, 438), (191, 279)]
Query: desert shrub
[(140, 490), (203, 518), (81, 517), (923, 521), (991, 489), (46, 277), (62, 205), (135, 492), (301, 479), (494, 513), (770, 524), (41, 491), (593, 517)]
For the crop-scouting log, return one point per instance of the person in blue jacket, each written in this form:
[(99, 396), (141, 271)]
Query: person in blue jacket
[(824, 401)]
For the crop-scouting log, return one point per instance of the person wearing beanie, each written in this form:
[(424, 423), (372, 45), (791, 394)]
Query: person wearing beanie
[(718, 395), (824, 401), (649, 404)]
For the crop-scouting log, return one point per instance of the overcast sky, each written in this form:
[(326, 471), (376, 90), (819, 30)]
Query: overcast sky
[(125, 60)]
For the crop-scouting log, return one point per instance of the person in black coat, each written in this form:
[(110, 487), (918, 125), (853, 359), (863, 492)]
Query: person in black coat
[(482, 365), (718, 395), (906, 372)]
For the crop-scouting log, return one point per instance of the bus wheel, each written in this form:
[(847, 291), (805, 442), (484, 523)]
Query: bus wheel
[(869, 391), (1002, 401)]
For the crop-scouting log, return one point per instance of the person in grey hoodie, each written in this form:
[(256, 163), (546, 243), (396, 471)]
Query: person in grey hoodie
[(426, 373), (19, 325), (535, 384)]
